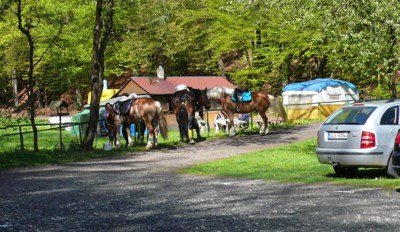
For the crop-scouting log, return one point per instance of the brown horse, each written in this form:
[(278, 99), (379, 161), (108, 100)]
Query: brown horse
[(145, 110), (260, 102), (185, 102)]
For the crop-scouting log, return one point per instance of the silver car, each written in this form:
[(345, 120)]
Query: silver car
[(358, 135)]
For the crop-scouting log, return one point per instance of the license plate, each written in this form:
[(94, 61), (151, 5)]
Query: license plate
[(337, 135)]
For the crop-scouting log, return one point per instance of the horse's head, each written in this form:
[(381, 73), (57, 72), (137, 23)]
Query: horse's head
[(109, 117), (203, 99)]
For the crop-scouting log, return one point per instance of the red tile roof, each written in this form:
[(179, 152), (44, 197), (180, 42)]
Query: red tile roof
[(158, 86)]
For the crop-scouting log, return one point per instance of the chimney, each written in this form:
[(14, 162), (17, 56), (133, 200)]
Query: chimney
[(160, 72)]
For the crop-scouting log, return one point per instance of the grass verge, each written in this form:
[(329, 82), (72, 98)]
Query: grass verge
[(294, 163), (11, 155)]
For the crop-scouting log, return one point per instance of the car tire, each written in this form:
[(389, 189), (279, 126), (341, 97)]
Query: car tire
[(345, 171), (390, 171)]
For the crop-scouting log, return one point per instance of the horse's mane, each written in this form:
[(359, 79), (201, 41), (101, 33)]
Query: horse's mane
[(196, 92), (219, 92)]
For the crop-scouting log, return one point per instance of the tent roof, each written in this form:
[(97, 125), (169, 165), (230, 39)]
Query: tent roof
[(115, 99), (317, 85)]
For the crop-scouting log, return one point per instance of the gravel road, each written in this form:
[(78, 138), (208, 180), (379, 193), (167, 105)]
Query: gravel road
[(143, 192)]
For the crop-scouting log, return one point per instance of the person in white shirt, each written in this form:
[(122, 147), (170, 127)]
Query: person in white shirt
[(220, 122)]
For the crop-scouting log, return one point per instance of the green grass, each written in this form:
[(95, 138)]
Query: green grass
[(294, 163), (49, 145)]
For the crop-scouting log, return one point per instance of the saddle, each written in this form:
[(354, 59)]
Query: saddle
[(181, 87), (189, 97), (123, 106), (243, 95)]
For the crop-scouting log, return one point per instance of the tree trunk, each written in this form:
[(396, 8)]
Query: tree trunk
[(392, 63), (101, 35), (31, 81), (26, 25), (15, 88), (31, 88), (39, 93), (78, 99)]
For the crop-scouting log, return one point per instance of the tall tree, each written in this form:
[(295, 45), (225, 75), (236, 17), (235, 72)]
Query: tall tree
[(66, 69), (102, 33), (362, 42), (29, 18)]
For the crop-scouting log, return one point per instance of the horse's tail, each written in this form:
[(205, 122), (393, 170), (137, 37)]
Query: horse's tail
[(161, 120), (277, 105)]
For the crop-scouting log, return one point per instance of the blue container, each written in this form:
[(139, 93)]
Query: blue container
[(133, 130)]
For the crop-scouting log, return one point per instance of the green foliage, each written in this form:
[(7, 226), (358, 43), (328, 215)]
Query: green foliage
[(6, 120), (253, 43), (380, 92)]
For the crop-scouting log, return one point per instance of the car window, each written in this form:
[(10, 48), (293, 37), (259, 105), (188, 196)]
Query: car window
[(351, 115), (390, 117)]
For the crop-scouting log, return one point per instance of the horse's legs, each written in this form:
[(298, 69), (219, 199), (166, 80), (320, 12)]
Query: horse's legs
[(181, 130), (126, 132), (150, 141), (180, 125), (232, 130), (184, 131), (117, 131), (190, 125), (111, 136), (155, 138), (264, 127), (141, 128), (150, 134), (197, 128)]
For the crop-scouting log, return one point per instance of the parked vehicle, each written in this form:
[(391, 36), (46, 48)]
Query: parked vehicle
[(359, 135), (396, 156)]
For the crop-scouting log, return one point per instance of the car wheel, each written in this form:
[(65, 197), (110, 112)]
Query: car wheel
[(345, 171), (390, 171)]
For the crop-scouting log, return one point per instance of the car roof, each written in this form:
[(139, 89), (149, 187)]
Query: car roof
[(375, 103)]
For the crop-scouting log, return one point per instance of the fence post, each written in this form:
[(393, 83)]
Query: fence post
[(319, 111), (60, 132), (21, 139), (80, 135)]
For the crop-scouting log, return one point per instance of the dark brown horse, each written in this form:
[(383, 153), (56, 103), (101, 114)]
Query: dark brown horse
[(260, 102), (185, 102), (144, 110)]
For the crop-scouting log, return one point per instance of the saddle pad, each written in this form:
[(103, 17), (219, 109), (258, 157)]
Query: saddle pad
[(246, 96), (243, 97), (121, 108)]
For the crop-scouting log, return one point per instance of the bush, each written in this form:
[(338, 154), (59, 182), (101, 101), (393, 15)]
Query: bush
[(380, 92)]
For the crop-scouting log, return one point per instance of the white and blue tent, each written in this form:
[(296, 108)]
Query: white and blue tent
[(317, 98), (321, 90)]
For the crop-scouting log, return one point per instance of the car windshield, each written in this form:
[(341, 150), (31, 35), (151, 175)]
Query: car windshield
[(351, 115)]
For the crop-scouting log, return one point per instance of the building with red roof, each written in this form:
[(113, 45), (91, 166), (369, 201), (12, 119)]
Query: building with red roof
[(161, 88)]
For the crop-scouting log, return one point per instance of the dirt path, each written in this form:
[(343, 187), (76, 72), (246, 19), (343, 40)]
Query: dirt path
[(171, 159), (142, 192)]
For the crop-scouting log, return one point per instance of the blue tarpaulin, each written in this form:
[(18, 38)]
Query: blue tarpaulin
[(317, 85)]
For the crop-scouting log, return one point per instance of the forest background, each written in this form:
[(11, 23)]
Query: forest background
[(262, 45)]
